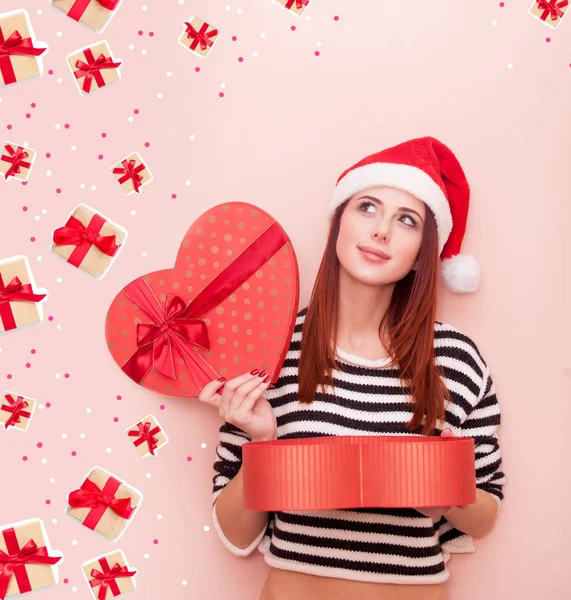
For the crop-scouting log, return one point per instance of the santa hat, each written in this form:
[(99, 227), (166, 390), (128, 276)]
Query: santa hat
[(427, 169)]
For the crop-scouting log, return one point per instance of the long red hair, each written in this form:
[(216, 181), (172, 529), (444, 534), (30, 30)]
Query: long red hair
[(409, 322)]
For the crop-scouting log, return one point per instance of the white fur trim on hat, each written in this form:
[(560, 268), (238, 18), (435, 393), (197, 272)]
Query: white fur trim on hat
[(461, 273), (405, 177)]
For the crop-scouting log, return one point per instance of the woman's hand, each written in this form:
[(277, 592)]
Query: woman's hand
[(242, 404), (437, 512)]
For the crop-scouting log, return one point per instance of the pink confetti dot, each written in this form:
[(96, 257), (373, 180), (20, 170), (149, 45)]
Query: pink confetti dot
[(147, 144), (28, 365), (100, 157), (50, 318), (104, 135), (317, 53), (115, 419), (24, 182), (32, 239), (66, 125), (136, 111), (240, 59), (9, 376), (66, 580), (197, 69), (48, 155), (28, 115), (51, 72), (221, 94), (173, 196), (151, 33), (33, 350), (155, 542), (48, 501), (24, 458), (39, 444), (48, 404), (24, 208), (119, 397), (162, 407), (293, 27), (66, 375), (547, 40), (336, 18), (8, 126), (58, 190), (33, 105), (234, 38), (502, 4), (73, 453), (188, 458), (140, 32)]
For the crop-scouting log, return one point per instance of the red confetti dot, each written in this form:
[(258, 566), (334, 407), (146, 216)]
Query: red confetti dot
[(58, 190), (66, 375), (32, 239), (173, 196), (115, 419), (66, 580), (162, 407), (73, 453), (66, 125), (103, 135), (28, 115), (119, 397), (155, 541), (140, 32), (48, 404), (147, 144), (9, 127), (221, 94), (240, 59), (234, 38), (136, 111), (24, 458), (51, 72), (33, 105), (24, 208), (151, 33), (9, 376), (48, 501), (188, 458), (28, 365), (39, 444)]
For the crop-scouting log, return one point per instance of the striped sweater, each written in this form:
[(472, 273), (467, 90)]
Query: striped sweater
[(398, 545)]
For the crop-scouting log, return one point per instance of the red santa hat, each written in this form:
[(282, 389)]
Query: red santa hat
[(427, 169)]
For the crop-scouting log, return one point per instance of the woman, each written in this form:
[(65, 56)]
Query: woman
[(374, 361)]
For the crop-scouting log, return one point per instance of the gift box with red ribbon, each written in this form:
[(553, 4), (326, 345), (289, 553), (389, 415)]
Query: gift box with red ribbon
[(104, 503), (16, 411), (198, 36), (95, 14), (27, 562), (549, 12), (132, 173), (93, 67), (297, 7), (228, 306), (20, 299), (147, 436), (109, 575), (16, 161), (89, 241), (20, 54)]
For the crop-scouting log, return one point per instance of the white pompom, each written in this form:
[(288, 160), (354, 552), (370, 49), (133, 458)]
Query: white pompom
[(461, 273)]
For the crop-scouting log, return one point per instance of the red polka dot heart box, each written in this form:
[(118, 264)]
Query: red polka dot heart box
[(332, 472), (227, 306)]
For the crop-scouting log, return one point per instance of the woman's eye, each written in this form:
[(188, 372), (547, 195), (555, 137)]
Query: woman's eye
[(367, 204)]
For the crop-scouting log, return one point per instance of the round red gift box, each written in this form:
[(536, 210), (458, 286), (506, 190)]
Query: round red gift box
[(354, 471)]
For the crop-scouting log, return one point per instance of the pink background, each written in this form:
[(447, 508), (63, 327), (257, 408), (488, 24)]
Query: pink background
[(323, 90)]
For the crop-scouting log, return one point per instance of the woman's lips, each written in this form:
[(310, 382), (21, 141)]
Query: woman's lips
[(372, 257)]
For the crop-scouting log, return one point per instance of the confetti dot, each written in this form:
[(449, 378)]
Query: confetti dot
[(74, 542), (108, 450), (88, 411), (66, 580), (187, 182), (28, 115), (74, 148), (203, 445), (184, 582), (44, 461), (82, 435), (173, 196), (64, 436), (169, 73), (133, 213), (50, 318), (59, 33), (140, 32), (115, 419), (52, 480), (100, 157), (159, 517), (59, 280), (32, 239), (24, 458), (130, 119), (49, 173), (336, 18), (73, 453), (57, 375), (151, 33), (66, 375), (74, 589), (24, 208), (148, 475), (221, 94), (145, 555), (58, 190), (547, 40), (54, 521), (188, 458), (58, 126), (28, 365), (48, 501), (103, 135), (48, 155), (48, 404), (39, 444), (147, 144), (33, 351), (143, 253), (159, 95), (8, 126), (9, 376), (162, 407), (144, 52), (155, 542)]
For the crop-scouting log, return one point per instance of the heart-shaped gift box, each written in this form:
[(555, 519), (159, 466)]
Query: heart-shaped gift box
[(229, 305)]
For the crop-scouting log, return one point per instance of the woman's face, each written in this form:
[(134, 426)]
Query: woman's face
[(384, 211)]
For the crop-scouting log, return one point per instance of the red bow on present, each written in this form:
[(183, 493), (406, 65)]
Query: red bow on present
[(145, 434), (15, 44), (15, 291), (107, 577), (551, 8), (92, 69), (80, 6), (15, 560), (17, 409), (77, 234), (17, 159), (298, 3), (90, 496), (200, 36), (129, 171)]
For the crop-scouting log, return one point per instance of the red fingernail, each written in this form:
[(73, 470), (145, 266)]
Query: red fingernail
[(254, 371)]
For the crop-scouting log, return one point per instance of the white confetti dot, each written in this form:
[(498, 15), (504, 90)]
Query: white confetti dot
[(184, 582), (192, 136), (239, 11), (144, 7), (255, 54), (25, 144), (510, 66), (130, 119), (206, 528), (318, 44), (203, 445), (58, 327), (37, 218), (58, 375), (39, 258), (74, 589), (148, 475), (59, 33), (52, 480), (307, 18), (54, 521), (44, 461), (49, 173), (88, 411), (93, 188), (187, 182), (59, 280), (494, 22), (82, 435), (74, 542), (82, 185), (145, 555), (58, 126), (108, 450), (159, 95), (222, 85), (144, 52), (159, 517), (64, 436), (40, 406), (133, 213), (143, 253), (227, 7), (262, 35), (131, 47), (59, 80), (169, 74), (74, 148), (39, 11), (44, 211)]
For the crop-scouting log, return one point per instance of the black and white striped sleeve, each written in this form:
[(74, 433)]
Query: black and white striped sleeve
[(482, 424)]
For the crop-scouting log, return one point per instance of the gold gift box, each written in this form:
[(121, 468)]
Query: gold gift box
[(188, 42), (24, 171), (160, 436), (124, 584), (24, 422), (108, 76), (95, 262), (128, 185), (293, 6), (95, 16)]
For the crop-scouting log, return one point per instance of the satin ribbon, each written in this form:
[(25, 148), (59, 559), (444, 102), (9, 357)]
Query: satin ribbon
[(15, 44), (551, 8), (16, 158), (200, 36), (16, 407), (92, 69), (83, 238), (129, 171), (80, 6), (107, 578), (14, 561), (15, 291), (298, 3), (176, 328), (91, 496), (145, 434)]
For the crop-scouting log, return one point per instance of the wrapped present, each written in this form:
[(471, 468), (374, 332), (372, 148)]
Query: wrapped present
[(297, 7), (20, 55), (16, 161), (93, 67), (95, 14), (109, 575), (104, 503), (27, 562), (147, 436), (198, 37), (89, 241), (16, 411), (228, 305), (550, 12), (20, 300), (132, 173)]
